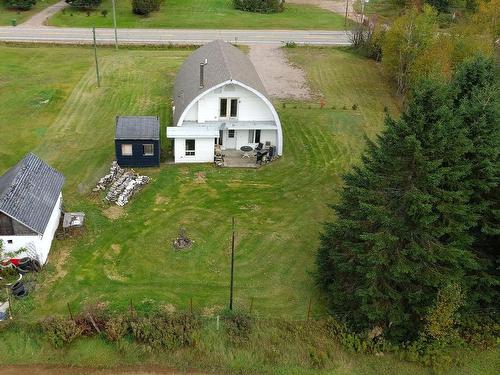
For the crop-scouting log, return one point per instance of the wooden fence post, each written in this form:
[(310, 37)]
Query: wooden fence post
[(309, 309), (70, 313), (191, 305)]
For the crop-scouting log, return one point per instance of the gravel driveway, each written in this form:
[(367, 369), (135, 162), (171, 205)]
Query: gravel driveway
[(281, 79)]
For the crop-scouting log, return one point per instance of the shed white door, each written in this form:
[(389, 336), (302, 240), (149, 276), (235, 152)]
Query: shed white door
[(230, 139)]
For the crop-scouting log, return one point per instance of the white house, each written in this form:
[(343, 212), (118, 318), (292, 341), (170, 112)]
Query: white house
[(220, 99), (30, 207)]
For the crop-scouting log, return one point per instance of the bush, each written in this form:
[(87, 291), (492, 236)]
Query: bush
[(238, 326), (84, 4), (260, 6), (20, 4), (116, 327), (144, 7), (92, 319), (60, 331), (165, 330)]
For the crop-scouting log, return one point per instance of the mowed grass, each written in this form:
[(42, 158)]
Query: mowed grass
[(278, 209), (7, 15), (202, 14)]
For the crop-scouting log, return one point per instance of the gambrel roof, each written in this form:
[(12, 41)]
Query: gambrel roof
[(29, 192), (224, 63)]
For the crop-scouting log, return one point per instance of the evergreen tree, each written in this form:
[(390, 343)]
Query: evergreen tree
[(476, 105), (402, 227)]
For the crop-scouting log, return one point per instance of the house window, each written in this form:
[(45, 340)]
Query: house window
[(148, 149), (230, 133), (126, 150), (190, 147), (228, 108), (254, 136), (9, 242)]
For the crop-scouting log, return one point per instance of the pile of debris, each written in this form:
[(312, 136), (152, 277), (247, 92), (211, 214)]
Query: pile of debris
[(182, 241), (122, 184)]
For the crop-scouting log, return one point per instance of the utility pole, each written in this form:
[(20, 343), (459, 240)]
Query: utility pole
[(96, 62), (346, 10), (114, 23), (232, 271)]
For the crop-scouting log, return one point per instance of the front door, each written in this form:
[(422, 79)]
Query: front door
[(230, 143)]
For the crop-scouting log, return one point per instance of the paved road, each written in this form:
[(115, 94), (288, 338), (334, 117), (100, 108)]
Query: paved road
[(47, 34)]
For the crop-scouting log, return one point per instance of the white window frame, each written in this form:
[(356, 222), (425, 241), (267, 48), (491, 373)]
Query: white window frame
[(190, 152), (228, 107), (147, 145), (124, 146)]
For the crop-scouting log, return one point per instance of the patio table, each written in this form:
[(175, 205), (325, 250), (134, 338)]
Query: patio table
[(246, 151)]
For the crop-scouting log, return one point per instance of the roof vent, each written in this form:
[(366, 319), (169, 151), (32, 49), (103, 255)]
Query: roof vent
[(202, 73)]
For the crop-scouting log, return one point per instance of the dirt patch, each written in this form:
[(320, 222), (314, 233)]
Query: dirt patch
[(159, 199), (200, 178), (59, 261), (110, 270), (114, 212), (281, 79), (336, 6), (60, 370)]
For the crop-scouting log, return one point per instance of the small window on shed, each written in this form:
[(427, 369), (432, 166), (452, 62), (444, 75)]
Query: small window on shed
[(148, 149), (190, 147), (230, 133), (127, 150), (9, 242)]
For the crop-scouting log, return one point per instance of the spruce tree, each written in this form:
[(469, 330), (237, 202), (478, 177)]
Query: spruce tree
[(402, 225), (476, 106)]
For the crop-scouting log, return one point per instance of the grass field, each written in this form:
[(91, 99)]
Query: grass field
[(278, 209), (202, 14), (7, 15)]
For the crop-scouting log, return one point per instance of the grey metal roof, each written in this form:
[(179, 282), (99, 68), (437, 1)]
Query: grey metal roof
[(225, 62), (137, 127), (29, 192)]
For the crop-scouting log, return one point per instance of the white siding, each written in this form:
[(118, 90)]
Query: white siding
[(204, 151), (242, 138), (42, 243), (192, 114), (250, 106)]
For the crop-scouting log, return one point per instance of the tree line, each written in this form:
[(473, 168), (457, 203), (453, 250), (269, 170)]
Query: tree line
[(416, 232)]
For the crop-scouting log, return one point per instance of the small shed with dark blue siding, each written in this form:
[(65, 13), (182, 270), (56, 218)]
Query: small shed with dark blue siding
[(137, 141)]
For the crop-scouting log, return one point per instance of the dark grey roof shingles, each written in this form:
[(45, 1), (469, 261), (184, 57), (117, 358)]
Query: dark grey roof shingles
[(29, 192), (137, 127), (225, 62)]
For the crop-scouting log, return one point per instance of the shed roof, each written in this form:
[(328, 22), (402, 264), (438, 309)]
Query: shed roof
[(29, 192), (224, 63), (137, 127)]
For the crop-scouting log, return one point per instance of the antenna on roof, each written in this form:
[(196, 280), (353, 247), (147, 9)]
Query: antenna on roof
[(202, 73)]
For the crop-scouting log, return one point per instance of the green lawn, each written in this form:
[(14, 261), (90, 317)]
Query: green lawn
[(7, 15), (278, 209), (203, 14)]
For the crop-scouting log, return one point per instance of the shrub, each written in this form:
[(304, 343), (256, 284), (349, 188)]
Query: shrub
[(60, 331), (20, 4), (238, 326), (84, 4), (260, 6), (92, 319), (354, 107), (116, 327), (165, 330), (144, 7), (104, 12)]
